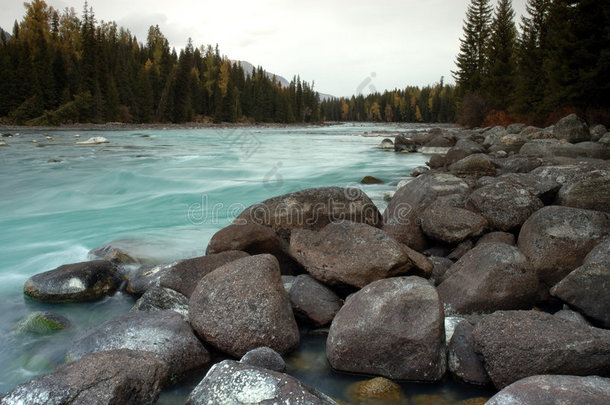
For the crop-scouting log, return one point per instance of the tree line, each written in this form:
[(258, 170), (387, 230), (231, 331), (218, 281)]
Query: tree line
[(413, 104), (59, 68), (556, 61)]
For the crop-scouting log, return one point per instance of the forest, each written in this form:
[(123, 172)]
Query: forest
[(556, 61), (57, 67)]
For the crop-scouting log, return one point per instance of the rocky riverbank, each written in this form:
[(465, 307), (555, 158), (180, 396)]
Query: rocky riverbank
[(490, 266)]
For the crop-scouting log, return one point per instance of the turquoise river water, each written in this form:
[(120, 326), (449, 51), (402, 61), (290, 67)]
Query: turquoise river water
[(161, 195)]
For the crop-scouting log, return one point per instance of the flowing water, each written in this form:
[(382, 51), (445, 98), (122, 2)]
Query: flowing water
[(160, 195)]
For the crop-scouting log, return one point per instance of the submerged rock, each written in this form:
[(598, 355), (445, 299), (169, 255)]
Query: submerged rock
[(386, 144), (95, 140), (518, 344), (110, 377), (392, 328), (371, 180), (84, 281), (243, 305), (376, 389), (555, 389), (43, 323), (165, 333), (231, 382), (349, 253)]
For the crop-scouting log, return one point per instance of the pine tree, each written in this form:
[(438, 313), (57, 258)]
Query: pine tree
[(471, 61), (499, 82), (529, 88)]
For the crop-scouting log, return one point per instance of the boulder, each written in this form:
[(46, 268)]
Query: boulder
[(161, 299), (597, 132), (422, 266), (437, 162), (592, 192), (572, 129), (463, 148), (487, 278), (312, 209), (600, 254), (587, 289), (476, 165), (386, 144), (564, 174), (94, 140), (251, 238), (462, 360), (445, 223), (371, 180), (313, 301), (555, 389), (460, 250), (243, 305), (146, 277), (419, 170), (110, 377), (519, 164), (518, 344), (376, 390), (497, 237), (232, 382), (85, 281), (392, 328), (605, 140), (349, 253), (111, 253), (403, 143), (572, 316), (542, 187), (515, 128), (509, 143), (441, 265), (183, 276), (43, 323), (505, 208), (401, 217), (264, 357), (553, 148), (164, 333), (556, 240)]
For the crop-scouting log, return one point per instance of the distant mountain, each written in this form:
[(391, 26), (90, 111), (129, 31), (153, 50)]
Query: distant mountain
[(248, 67), (4, 34)]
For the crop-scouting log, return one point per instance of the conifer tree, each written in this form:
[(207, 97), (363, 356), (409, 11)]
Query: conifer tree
[(471, 61), (499, 81)]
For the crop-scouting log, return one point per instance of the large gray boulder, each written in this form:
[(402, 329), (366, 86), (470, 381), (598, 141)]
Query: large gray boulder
[(184, 275), (476, 165), (488, 278), (401, 217), (588, 290), (505, 208), (312, 209), (542, 187), (349, 253), (564, 174), (146, 277), (592, 192), (109, 377), (313, 301), (518, 344), (572, 129), (555, 389), (252, 238), (235, 383), (85, 281), (552, 148), (161, 299), (518, 164), (264, 357), (243, 305), (393, 328), (446, 223), (164, 333), (556, 240)]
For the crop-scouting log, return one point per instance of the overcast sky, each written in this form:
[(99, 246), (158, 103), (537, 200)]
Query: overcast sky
[(345, 46)]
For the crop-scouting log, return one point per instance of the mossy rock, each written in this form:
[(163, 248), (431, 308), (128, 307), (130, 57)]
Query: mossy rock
[(376, 391), (33, 363), (432, 399), (42, 323)]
